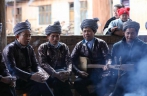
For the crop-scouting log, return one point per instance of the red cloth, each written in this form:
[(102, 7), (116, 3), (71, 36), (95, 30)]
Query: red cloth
[(123, 11)]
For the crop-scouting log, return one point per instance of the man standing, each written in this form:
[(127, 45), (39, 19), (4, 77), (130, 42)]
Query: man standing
[(21, 61), (130, 50), (96, 50), (55, 60)]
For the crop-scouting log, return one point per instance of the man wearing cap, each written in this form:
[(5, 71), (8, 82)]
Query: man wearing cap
[(115, 27), (129, 50), (55, 59), (21, 61), (96, 50), (7, 82)]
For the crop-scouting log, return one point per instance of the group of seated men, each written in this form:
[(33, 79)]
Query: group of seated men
[(20, 70)]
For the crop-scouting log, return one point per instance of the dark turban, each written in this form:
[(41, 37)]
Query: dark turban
[(146, 25), (131, 24), (53, 28), (91, 23), (22, 26)]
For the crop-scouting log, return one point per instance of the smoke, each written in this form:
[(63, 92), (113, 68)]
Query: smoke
[(139, 92), (135, 94), (139, 79)]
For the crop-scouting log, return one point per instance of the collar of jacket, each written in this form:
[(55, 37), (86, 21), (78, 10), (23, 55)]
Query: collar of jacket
[(19, 45), (52, 46), (124, 39), (84, 41)]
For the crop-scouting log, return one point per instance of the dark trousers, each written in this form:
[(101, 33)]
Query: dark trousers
[(81, 85), (59, 88), (34, 88), (6, 90)]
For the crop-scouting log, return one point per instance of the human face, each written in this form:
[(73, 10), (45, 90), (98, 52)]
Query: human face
[(130, 34), (54, 38), (88, 33), (124, 17), (115, 12), (24, 37)]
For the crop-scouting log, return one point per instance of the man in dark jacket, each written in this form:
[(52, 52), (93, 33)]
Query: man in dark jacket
[(130, 50), (96, 50), (7, 82), (55, 60), (21, 61)]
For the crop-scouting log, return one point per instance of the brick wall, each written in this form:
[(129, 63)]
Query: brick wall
[(70, 40)]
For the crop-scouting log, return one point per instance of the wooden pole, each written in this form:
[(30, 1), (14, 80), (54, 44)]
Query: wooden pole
[(3, 39), (14, 17), (77, 17)]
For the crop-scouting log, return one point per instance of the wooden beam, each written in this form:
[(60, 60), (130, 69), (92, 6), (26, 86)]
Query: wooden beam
[(3, 39)]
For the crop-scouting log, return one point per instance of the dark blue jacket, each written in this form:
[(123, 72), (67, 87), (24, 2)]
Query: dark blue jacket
[(129, 54)]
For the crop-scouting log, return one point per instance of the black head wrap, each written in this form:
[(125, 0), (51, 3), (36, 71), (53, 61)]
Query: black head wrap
[(53, 28), (131, 24), (91, 23), (22, 26)]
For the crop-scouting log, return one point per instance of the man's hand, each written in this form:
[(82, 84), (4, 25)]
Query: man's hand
[(83, 73), (13, 84), (43, 73), (8, 79), (62, 75), (37, 77), (113, 29), (105, 67)]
